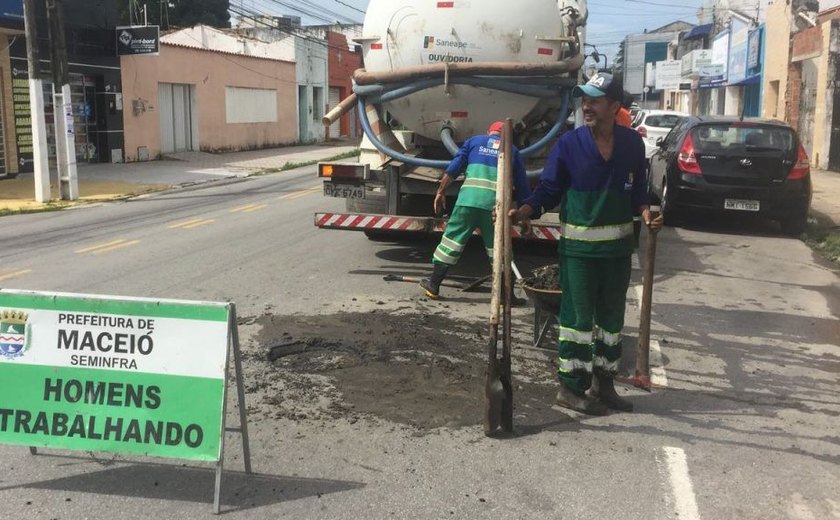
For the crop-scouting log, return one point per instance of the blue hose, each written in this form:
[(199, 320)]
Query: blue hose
[(555, 131)]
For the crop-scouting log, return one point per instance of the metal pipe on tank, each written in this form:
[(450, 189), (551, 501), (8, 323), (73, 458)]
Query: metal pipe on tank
[(364, 77), (339, 110)]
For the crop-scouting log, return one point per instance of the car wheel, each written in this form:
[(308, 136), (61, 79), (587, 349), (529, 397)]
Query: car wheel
[(666, 207), (794, 226)]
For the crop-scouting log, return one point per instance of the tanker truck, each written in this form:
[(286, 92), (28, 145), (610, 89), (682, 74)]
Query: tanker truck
[(436, 73)]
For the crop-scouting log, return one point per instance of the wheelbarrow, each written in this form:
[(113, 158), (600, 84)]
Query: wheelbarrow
[(546, 309)]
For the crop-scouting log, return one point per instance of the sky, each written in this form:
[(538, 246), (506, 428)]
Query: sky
[(609, 20)]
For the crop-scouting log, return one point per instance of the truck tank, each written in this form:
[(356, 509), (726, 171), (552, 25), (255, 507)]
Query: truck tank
[(521, 43)]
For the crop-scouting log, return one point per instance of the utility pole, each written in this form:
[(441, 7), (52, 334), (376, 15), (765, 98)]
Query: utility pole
[(36, 105), (65, 135)]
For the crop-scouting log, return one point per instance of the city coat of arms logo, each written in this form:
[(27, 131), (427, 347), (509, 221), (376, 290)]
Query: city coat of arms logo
[(14, 333)]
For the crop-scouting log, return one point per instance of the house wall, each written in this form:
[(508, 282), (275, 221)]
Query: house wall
[(342, 63), (826, 88), (210, 72), (311, 71), (776, 59)]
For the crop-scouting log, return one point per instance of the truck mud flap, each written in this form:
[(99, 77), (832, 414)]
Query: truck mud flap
[(393, 223)]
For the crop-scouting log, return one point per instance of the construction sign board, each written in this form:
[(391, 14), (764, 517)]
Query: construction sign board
[(121, 375)]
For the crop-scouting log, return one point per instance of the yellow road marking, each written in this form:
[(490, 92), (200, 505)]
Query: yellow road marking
[(117, 246), (184, 224), (254, 208), (16, 273), (107, 244), (302, 193), (199, 223), (243, 208)]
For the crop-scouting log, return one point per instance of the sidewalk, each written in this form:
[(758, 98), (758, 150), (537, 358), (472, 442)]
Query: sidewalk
[(825, 203), (113, 181)]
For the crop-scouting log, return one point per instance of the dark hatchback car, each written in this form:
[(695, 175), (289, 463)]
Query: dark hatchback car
[(726, 164)]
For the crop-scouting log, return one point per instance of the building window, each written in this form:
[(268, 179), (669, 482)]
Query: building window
[(250, 105), (318, 101)]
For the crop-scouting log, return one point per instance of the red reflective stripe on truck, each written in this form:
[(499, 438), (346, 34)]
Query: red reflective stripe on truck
[(375, 46), (546, 52), (361, 221), (445, 4)]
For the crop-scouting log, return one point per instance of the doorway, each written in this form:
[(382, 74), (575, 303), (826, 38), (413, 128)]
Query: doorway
[(177, 118)]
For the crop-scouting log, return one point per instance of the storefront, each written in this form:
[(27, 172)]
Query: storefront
[(94, 82)]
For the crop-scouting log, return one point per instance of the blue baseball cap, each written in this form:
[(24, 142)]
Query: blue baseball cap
[(601, 84)]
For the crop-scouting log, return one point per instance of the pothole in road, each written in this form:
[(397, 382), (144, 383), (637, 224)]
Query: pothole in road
[(422, 370)]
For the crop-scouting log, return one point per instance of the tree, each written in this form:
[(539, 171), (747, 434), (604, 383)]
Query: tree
[(176, 13), (618, 61)]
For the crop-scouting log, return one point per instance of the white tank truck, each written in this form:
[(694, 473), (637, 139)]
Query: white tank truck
[(436, 73)]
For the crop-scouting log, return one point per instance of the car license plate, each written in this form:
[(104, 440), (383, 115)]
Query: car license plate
[(741, 205), (344, 191)]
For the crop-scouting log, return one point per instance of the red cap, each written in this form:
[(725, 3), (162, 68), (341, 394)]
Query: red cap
[(496, 127)]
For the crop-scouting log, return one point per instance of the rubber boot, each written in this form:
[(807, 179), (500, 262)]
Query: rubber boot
[(603, 389), (579, 402), (432, 284)]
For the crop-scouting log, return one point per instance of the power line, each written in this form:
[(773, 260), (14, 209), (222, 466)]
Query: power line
[(351, 7)]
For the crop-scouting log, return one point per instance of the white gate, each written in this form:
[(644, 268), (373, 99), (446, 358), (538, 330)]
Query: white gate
[(176, 117)]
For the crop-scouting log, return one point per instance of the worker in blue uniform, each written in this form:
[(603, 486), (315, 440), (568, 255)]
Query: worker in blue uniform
[(478, 158), (597, 173)]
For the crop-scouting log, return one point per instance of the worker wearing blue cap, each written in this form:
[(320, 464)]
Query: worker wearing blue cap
[(597, 173)]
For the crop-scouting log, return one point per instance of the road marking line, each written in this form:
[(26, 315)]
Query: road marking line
[(16, 273), (117, 246), (301, 193), (199, 223), (184, 224), (255, 208), (657, 365), (684, 500), (242, 208), (107, 244)]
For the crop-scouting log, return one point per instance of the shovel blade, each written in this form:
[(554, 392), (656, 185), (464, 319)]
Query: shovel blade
[(494, 401)]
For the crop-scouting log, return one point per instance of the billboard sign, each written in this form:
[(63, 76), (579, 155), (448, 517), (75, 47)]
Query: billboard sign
[(668, 74), (138, 40)]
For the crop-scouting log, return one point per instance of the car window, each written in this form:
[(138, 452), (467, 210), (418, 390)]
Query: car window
[(640, 115), (662, 120), (741, 137), (678, 128)]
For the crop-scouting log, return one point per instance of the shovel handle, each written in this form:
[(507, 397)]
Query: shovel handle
[(643, 346)]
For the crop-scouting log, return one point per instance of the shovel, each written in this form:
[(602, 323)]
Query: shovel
[(498, 404), (642, 377)]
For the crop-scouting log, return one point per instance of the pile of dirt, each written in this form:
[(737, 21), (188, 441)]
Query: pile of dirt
[(545, 278), (416, 369)]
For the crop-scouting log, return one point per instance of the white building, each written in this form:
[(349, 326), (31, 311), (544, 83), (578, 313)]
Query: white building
[(643, 50)]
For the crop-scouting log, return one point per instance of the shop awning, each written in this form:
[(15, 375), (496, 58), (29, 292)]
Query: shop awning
[(752, 80), (699, 31)]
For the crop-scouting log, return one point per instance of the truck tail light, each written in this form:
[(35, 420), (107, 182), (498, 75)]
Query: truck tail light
[(343, 170)]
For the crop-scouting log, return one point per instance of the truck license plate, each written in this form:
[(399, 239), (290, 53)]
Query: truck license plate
[(344, 191), (741, 205)]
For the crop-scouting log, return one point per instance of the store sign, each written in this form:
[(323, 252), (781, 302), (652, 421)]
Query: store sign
[(715, 74), (692, 62), (754, 52), (120, 375), (668, 74), (737, 61), (23, 117), (11, 10), (138, 40)]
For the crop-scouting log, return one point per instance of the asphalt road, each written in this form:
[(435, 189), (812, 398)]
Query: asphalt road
[(744, 425)]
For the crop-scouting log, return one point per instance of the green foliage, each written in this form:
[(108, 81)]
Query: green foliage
[(176, 13), (823, 238)]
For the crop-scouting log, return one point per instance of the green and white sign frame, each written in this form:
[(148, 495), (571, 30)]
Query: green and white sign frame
[(133, 376)]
